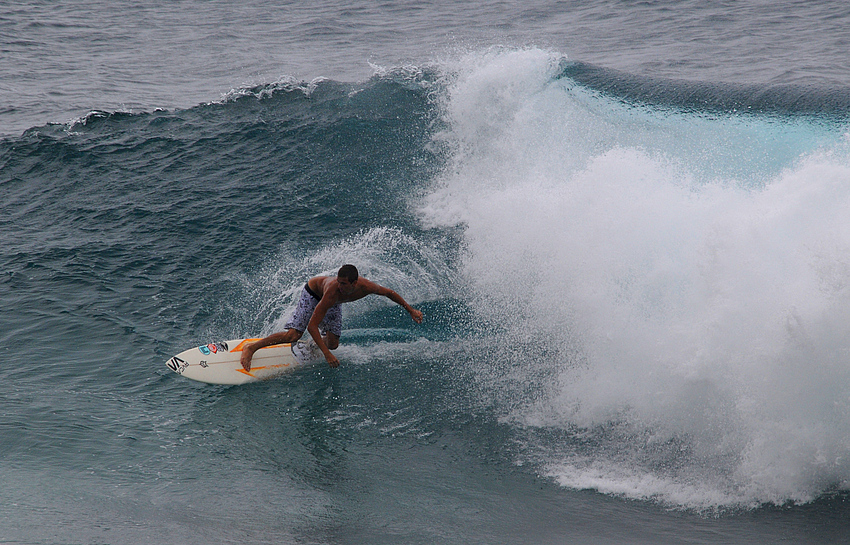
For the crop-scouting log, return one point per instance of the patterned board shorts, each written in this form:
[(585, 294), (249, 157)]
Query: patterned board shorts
[(306, 305)]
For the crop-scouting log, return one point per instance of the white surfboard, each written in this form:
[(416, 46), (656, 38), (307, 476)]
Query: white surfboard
[(218, 363)]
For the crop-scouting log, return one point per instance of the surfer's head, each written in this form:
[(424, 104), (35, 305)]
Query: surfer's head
[(349, 272), (346, 278)]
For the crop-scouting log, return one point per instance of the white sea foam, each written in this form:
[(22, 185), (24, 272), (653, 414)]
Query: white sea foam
[(691, 273)]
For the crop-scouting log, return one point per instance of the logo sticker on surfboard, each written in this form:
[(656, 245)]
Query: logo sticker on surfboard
[(177, 365), (213, 348)]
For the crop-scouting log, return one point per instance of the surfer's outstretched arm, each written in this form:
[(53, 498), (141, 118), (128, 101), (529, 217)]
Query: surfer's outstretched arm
[(377, 289)]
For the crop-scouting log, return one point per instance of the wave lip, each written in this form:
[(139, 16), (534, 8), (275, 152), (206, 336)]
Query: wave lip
[(714, 97)]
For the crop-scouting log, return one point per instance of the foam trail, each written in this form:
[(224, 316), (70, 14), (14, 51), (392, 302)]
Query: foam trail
[(689, 273)]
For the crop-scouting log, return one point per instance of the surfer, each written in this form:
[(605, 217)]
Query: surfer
[(319, 307)]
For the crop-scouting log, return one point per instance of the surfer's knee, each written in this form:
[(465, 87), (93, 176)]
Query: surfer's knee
[(293, 335), (331, 341)]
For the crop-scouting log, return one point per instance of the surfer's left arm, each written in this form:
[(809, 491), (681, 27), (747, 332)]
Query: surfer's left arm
[(398, 299)]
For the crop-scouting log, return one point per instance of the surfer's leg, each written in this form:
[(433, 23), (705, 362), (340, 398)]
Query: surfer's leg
[(292, 335), (289, 336), (301, 317)]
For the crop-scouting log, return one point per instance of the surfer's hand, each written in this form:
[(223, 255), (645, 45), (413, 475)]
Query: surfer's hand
[(245, 360), (332, 361), (416, 315)]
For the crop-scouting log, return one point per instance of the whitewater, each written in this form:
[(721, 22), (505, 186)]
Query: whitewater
[(686, 271), (632, 259)]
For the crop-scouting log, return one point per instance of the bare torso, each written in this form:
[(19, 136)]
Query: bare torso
[(338, 292)]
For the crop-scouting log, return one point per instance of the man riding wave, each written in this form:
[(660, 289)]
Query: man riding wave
[(319, 309)]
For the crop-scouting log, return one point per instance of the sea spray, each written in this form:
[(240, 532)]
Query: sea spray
[(688, 273)]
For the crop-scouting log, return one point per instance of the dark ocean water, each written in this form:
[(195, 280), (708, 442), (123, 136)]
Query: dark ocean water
[(626, 225)]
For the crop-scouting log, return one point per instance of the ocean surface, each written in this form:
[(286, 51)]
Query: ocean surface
[(626, 223)]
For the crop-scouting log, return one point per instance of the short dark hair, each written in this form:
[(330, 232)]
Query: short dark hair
[(349, 272)]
